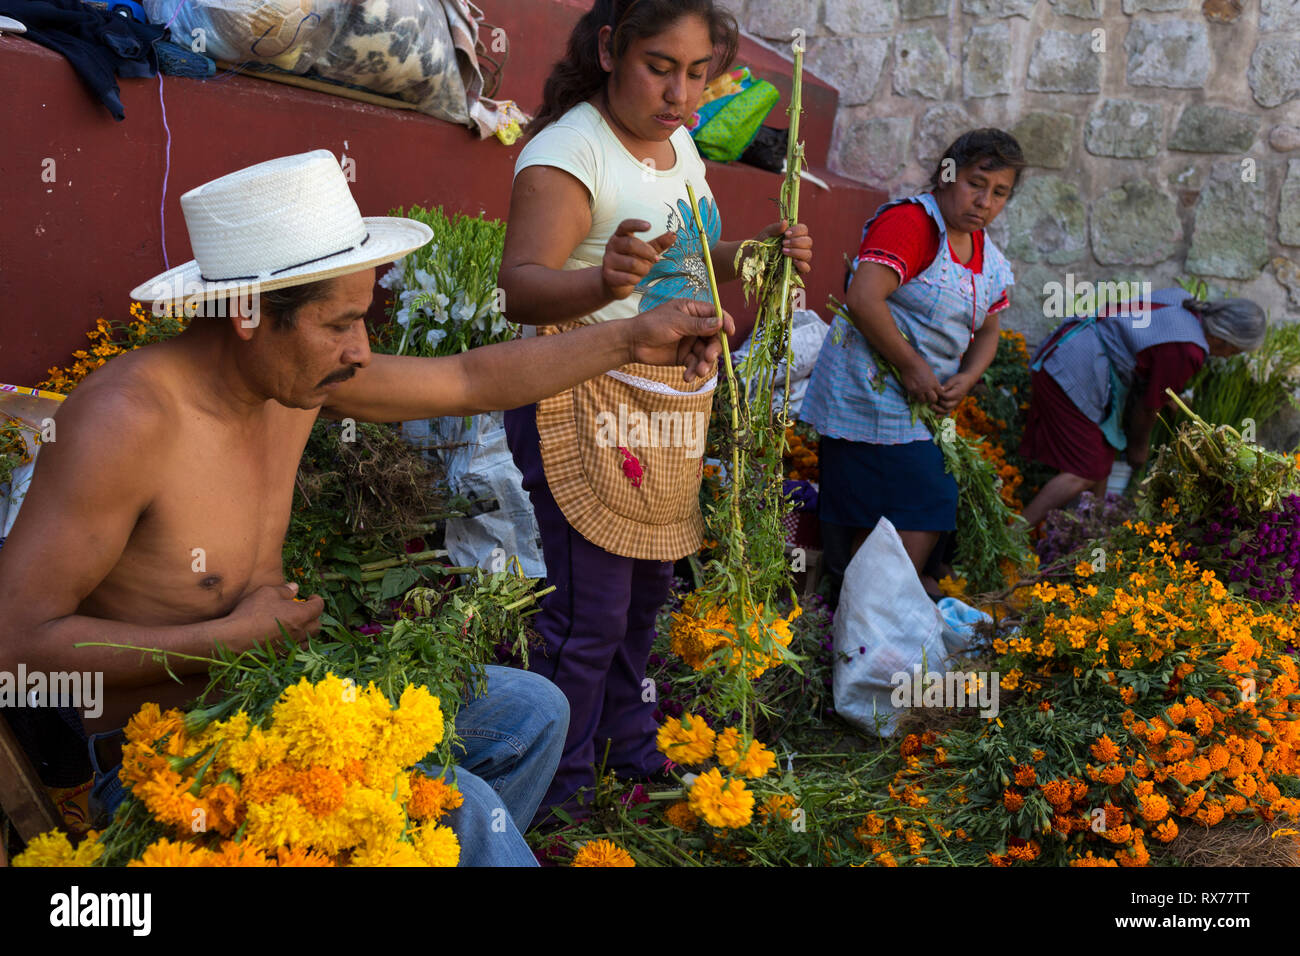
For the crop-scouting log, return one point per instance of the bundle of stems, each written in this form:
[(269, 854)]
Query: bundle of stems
[(749, 574), (989, 534), (1208, 466), (1245, 388)]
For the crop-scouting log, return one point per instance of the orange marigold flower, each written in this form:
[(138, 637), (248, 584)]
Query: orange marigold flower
[(682, 816), (1089, 860), (1154, 807), (432, 797), (1104, 749), (1025, 775), (1057, 794), (1012, 801), (1120, 834)]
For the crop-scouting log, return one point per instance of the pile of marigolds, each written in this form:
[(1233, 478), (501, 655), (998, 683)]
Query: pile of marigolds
[(326, 780), (1193, 688)]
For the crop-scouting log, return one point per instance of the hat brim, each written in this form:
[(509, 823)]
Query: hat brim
[(390, 238)]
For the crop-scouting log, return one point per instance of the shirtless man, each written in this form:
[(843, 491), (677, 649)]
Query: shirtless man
[(195, 442)]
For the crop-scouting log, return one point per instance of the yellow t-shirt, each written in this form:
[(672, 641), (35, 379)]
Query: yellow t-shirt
[(620, 187)]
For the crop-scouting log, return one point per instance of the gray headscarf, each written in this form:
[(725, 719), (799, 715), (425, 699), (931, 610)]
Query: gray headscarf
[(1238, 322)]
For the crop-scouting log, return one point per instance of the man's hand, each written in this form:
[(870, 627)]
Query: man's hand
[(952, 391), (681, 332), (259, 615), (797, 243), (628, 259), (920, 382)]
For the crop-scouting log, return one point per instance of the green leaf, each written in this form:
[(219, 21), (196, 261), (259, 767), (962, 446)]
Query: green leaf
[(396, 582)]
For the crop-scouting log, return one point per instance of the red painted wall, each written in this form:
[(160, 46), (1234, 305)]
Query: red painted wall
[(72, 248)]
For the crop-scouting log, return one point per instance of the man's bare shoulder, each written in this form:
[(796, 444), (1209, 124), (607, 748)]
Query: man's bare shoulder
[(131, 399)]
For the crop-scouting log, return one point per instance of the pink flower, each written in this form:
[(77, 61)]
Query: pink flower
[(631, 467)]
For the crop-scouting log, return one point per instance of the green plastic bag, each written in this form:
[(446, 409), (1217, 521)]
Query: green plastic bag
[(729, 124)]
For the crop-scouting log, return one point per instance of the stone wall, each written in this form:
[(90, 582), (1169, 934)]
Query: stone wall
[(1160, 133)]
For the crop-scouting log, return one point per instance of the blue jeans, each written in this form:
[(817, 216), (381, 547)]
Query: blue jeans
[(513, 737), (107, 791)]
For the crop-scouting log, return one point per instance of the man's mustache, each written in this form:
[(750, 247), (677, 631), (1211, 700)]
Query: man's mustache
[(341, 376)]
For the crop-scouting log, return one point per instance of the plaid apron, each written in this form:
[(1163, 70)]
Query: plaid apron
[(629, 485)]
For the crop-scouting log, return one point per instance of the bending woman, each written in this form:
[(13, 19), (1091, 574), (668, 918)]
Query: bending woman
[(1085, 373), (615, 506), (925, 293)]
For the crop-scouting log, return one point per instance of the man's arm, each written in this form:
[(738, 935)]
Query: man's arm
[(511, 374), (89, 489)]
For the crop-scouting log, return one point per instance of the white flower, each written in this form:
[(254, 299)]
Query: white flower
[(435, 336), (394, 276)]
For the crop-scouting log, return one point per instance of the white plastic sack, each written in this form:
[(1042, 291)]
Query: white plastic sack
[(481, 466), (885, 626), (807, 333)]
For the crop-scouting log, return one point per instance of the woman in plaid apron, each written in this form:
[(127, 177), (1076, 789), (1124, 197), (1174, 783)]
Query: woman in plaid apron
[(613, 466), (925, 292)]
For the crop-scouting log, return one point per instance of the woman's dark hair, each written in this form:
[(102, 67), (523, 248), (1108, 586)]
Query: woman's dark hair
[(578, 76), (988, 148)]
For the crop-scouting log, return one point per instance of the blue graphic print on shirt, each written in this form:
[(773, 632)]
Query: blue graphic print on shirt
[(680, 272)]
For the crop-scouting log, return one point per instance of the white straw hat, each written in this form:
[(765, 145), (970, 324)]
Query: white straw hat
[(283, 222)]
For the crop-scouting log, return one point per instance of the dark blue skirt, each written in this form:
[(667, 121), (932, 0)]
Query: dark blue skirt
[(907, 484)]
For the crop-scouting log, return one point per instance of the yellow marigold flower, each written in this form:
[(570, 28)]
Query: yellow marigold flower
[(1083, 569), (953, 587), (231, 853), (727, 747), (687, 741), (412, 730), (294, 856), (754, 762), (721, 804), (325, 723), (166, 853), (602, 853), (389, 854), (54, 849), (282, 821), (436, 845)]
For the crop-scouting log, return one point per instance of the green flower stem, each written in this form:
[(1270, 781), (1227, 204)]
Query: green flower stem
[(736, 551), (790, 192)]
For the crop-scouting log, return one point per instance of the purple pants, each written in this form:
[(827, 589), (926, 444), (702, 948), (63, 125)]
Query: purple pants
[(597, 626)]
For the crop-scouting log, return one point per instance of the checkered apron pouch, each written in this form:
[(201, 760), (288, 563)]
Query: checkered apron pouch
[(623, 458)]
